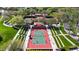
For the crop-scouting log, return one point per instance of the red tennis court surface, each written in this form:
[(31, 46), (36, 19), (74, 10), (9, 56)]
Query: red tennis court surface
[(47, 45)]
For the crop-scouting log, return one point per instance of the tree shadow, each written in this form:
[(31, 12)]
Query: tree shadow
[(1, 39)]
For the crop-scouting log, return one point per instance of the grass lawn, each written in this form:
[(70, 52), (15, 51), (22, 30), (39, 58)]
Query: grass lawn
[(73, 40), (20, 39), (54, 34), (65, 42), (62, 29), (59, 41), (6, 35), (57, 29), (55, 38)]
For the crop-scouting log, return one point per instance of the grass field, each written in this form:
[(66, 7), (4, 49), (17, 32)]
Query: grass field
[(6, 35)]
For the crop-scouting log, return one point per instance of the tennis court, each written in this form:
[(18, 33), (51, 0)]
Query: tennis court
[(40, 39)]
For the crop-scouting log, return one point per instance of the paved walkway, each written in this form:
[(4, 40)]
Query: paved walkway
[(54, 46)]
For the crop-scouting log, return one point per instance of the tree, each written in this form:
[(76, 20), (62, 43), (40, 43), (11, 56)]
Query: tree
[(57, 17), (17, 20), (71, 17)]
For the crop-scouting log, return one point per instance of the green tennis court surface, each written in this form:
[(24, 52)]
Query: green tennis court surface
[(38, 37)]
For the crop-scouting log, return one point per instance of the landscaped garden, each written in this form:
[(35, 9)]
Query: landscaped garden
[(19, 40), (63, 40), (16, 19)]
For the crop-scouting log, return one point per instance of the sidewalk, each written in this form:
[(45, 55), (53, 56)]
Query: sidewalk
[(54, 46)]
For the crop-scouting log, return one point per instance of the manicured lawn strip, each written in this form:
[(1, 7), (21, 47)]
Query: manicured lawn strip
[(56, 42), (55, 39), (73, 40), (62, 29), (66, 43), (14, 45), (59, 41), (58, 38), (57, 29), (19, 41), (7, 34), (22, 43), (54, 31)]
